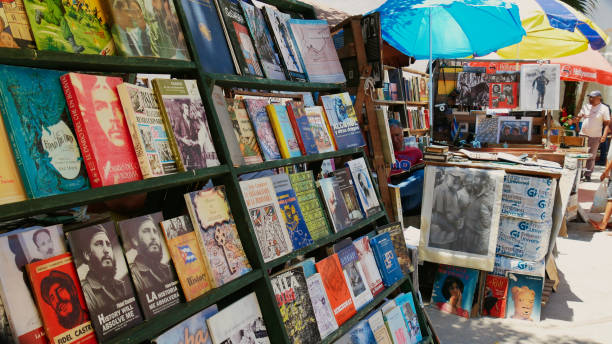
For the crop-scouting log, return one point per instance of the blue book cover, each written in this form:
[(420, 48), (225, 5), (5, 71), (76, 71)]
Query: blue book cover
[(453, 290), (406, 304), (386, 259), (396, 325), (308, 265), (359, 334), (280, 118), (210, 43), (297, 111), (524, 297), (40, 130), (343, 120), (190, 330), (287, 200), (256, 108)]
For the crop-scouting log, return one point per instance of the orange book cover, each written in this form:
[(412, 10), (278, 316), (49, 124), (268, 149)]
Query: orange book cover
[(336, 289), (11, 187), (60, 300)]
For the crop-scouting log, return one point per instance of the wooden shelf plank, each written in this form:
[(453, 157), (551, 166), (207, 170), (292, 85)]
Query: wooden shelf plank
[(152, 328), (116, 64), (411, 103), (292, 161), (64, 201), (388, 102), (325, 241), (232, 81)]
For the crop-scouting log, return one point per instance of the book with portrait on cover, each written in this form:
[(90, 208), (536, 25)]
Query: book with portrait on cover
[(364, 186), (368, 264), (353, 272)]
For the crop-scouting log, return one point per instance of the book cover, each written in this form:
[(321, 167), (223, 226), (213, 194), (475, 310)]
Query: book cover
[(191, 330), (326, 321), (368, 264), (386, 259), (336, 289), (312, 210), (317, 52), (353, 274), (60, 300), (524, 297), (454, 289), (495, 296), (404, 257), (15, 29), (6, 335), (147, 28), (359, 334), (319, 129), (185, 119), (239, 37), (101, 128), (227, 121), (262, 40), (397, 326), (103, 273), (147, 128), (40, 131), (336, 208), (155, 279), (503, 95), (11, 186), (343, 179), (293, 301), (301, 127), (342, 120), (243, 130), (215, 228), (405, 303), (292, 213), (266, 219), (289, 54), (364, 186), (385, 136), (285, 137), (378, 327), (256, 108), (187, 256), (308, 266), (208, 36), (240, 322), (18, 248)]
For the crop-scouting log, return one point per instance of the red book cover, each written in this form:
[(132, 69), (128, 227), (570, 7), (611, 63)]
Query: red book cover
[(101, 129), (496, 292), (503, 95), (60, 300), (410, 125), (296, 128), (426, 111), (336, 289)]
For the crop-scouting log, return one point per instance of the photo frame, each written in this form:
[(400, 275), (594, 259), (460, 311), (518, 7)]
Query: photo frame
[(514, 129)]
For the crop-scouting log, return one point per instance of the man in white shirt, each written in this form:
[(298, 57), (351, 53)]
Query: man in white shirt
[(594, 116)]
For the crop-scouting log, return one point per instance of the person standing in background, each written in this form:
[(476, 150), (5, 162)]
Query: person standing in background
[(594, 116)]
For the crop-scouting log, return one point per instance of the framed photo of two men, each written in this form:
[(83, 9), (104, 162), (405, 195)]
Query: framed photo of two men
[(460, 216)]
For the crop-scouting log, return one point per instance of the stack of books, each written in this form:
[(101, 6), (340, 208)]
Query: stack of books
[(436, 153)]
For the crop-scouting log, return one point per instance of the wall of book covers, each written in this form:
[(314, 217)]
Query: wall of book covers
[(262, 221)]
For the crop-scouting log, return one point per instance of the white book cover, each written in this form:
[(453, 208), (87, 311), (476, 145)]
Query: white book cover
[(320, 303), (364, 186), (368, 264), (354, 276), (240, 322), (377, 324)]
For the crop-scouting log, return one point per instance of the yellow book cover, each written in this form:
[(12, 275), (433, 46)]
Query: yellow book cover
[(11, 187), (287, 142)]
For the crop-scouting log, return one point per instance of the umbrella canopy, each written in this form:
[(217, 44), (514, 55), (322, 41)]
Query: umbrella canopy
[(589, 66), (458, 28), (554, 29)]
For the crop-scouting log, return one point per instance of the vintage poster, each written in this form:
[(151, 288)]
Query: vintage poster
[(454, 289), (514, 130), (523, 239), (487, 129), (540, 87), (460, 216), (503, 95), (473, 90), (524, 297)]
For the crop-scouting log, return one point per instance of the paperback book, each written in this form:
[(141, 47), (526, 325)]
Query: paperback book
[(343, 179), (396, 326), (308, 199), (320, 131), (359, 334), (336, 289), (378, 327), (11, 186), (353, 274), (386, 259), (308, 266), (326, 321), (368, 264), (256, 108), (279, 119), (495, 296), (191, 330), (364, 186), (342, 120), (292, 213), (454, 289), (336, 208), (524, 297), (289, 53), (243, 131), (239, 322), (14, 26), (406, 304), (404, 256), (301, 127)]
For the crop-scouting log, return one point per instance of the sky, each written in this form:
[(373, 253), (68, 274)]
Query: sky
[(602, 15)]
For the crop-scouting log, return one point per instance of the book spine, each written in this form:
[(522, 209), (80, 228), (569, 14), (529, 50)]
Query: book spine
[(79, 128), (296, 129), (278, 131), (130, 118), (198, 231), (169, 130)]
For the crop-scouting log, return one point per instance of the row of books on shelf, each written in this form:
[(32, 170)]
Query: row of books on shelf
[(398, 85), (230, 36), (72, 131), (417, 118)]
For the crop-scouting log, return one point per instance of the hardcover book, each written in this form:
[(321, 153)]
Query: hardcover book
[(11, 186), (243, 130), (185, 119), (292, 213), (238, 35), (15, 29), (378, 327), (285, 137), (317, 52), (157, 285), (353, 274), (67, 26), (368, 264), (301, 127), (454, 289), (266, 219), (289, 54), (101, 129), (60, 300), (495, 296), (386, 259), (187, 256), (359, 334), (148, 132), (191, 330), (343, 179), (524, 297), (320, 131), (337, 291), (397, 326), (40, 131), (216, 230), (208, 36), (364, 186), (18, 248), (326, 321), (256, 108), (342, 120), (293, 301), (227, 121), (310, 204), (147, 28), (103, 273), (262, 39), (404, 256), (405, 302), (336, 208), (239, 322)]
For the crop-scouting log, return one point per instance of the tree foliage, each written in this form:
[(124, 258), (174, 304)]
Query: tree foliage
[(584, 6)]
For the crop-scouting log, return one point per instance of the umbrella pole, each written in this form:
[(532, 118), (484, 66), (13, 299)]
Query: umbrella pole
[(431, 94)]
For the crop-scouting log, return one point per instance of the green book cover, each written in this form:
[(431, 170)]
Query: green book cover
[(312, 210)]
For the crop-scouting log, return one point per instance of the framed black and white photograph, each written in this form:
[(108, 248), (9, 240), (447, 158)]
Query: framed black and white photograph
[(473, 89), (460, 216), (540, 87)]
